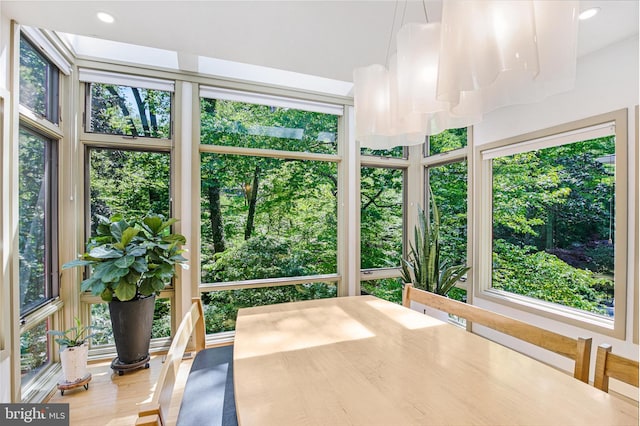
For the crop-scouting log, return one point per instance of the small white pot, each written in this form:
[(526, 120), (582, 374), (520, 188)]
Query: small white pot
[(74, 363)]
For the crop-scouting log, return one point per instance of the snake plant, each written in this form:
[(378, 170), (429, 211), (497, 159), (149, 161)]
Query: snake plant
[(424, 266)]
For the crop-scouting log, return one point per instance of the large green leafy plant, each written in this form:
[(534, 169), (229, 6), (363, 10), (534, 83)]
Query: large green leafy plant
[(423, 266), (131, 259)]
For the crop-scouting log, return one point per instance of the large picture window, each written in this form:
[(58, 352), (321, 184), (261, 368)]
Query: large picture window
[(558, 237), (553, 213), (269, 188)]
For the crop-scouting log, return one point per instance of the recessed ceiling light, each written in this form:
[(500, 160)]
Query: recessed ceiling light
[(588, 13), (105, 17)]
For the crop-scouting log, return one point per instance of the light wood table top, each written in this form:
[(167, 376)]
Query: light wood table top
[(365, 361)]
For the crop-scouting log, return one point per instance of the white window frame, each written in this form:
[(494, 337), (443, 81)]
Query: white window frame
[(482, 233)]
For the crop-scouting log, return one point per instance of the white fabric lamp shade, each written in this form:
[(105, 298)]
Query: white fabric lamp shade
[(485, 55), (505, 52)]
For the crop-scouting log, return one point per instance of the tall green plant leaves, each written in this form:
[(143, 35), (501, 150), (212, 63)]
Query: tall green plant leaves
[(424, 266)]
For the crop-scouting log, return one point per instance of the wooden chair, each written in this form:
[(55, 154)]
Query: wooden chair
[(616, 366), (155, 412), (578, 350)]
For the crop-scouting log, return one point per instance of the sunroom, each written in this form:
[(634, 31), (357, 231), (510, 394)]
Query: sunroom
[(245, 121)]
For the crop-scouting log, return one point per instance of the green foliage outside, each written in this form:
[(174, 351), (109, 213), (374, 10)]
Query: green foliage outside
[(34, 352), (31, 209), (221, 307), (387, 289), (553, 224)]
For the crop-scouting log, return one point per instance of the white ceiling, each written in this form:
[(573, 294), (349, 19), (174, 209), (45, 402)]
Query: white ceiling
[(322, 38)]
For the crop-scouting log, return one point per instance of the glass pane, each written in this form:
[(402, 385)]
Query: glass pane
[(132, 183), (266, 218), (447, 141), (100, 318), (229, 123), (221, 307), (381, 220), (553, 224), (32, 240), (129, 111), (396, 152), (449, 185), (388, 289), (34, 351), (38, 82)]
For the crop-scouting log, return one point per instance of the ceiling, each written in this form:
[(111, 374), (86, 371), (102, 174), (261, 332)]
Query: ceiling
[(322, 38)]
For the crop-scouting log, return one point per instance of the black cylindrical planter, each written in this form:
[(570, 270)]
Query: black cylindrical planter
[(131, 322)]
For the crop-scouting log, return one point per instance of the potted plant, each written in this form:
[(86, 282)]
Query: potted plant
[(74, 351), (131, 262), (424, 267)]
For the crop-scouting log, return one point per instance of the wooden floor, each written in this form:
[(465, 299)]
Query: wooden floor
[(113, 400)]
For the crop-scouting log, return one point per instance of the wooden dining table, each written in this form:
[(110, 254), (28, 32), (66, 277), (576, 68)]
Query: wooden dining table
[(365, 361)]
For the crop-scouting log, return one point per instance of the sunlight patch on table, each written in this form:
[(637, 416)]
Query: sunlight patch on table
[(264, 334), (407, 318)]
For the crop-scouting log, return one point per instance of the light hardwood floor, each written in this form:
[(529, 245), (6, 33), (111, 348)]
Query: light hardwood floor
[(113, 400)]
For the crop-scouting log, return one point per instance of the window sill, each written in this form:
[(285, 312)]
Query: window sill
[(556, 312)]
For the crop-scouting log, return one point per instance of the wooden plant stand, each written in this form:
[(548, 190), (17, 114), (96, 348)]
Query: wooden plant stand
[(84, 381), (121, 367)]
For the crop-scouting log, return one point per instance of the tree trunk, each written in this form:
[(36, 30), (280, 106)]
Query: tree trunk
[(141, 110), (549, 229), (252, 197), (125, 111), (217, 230)]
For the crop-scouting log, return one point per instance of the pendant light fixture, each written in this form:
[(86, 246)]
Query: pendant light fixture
[(483, 56)]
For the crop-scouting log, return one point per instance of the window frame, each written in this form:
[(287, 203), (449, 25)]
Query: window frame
[(51, 272), (88, 141), (397, 163), (482, 234), (442, 159), (208, 91), (52, 95), (55, 134), (105, 140)]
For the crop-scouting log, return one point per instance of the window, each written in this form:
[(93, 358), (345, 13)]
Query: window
[(446, 176), (449, 185), (381, 217), (269, 185), (37, 224), (558, 222), (449, 140), (38, 141), (35, 347), (38, 82), (131, 183), (129, 111)]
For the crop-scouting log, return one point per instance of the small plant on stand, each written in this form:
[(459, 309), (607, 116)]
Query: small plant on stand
[(73, 354)]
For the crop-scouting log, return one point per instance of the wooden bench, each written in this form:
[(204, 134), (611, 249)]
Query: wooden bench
[(616, 366), (578, 350), (209, 397)]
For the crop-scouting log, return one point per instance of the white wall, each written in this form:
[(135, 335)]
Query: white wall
[(607, 80)]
